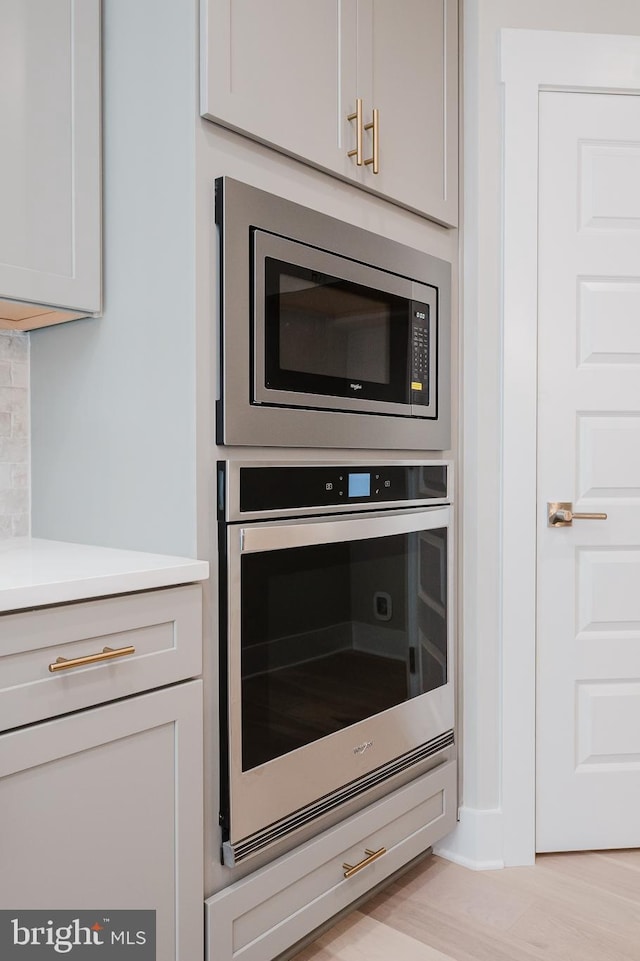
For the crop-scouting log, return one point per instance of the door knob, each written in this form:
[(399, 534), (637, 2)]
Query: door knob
[(561, 514)]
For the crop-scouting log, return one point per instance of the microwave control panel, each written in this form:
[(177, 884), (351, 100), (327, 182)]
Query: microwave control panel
[(420, 350), (285, 488)]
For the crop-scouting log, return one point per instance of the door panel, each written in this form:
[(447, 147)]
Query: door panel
[(608, 732), (588, 702), (608, 330)]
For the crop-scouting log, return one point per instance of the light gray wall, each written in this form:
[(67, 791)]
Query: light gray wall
[(113, 399), (14, 434), (482, 334)]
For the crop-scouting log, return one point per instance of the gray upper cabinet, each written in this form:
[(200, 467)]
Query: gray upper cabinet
[(50, 193), (313, 77), (102, 803), (407, 59), (274, 71)]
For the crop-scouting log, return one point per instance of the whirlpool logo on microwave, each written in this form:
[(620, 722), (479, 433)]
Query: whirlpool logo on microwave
[(32, 935)]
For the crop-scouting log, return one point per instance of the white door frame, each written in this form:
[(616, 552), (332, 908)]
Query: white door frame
[(532, 60)]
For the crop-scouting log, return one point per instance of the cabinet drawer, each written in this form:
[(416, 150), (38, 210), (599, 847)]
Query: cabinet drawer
[(262, 915), (163, 627)]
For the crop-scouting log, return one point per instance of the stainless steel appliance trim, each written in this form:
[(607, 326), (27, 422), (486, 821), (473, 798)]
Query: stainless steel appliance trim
[(330, 762), (282, 535), (239, 208), (235, 853), (232, 489), (269, 245)]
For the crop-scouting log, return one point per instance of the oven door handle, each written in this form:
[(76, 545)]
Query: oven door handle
[(281, 535)]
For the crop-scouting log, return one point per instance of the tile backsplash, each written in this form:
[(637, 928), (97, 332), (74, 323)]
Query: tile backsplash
[(14, 434)]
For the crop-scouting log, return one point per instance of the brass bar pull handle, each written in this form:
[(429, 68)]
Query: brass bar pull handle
[(560, 514), (357, 116), (375, 157), (351, 869), (107, 654)]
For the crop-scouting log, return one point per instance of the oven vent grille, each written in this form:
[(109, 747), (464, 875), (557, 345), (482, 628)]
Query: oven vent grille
[(234, 853)]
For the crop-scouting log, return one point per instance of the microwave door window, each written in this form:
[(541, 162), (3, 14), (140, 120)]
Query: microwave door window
[(324, 334), (330, 331)]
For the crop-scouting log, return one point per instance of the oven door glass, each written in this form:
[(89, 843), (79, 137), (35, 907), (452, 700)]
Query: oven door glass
[(334, 633)]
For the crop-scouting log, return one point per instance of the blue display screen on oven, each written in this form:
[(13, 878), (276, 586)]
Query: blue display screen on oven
[(359, 485)]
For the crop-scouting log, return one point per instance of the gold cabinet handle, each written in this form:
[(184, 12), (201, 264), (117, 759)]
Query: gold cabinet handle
[(351, 869), (107, 654), (357, 116), (375, 156), (561, 514)]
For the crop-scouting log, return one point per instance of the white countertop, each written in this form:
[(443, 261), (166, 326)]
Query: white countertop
[(36, 572)]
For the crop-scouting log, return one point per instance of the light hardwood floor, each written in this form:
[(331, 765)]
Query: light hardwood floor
[(569, 907)]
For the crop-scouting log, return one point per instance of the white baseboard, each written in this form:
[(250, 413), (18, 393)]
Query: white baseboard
[(476, 841)]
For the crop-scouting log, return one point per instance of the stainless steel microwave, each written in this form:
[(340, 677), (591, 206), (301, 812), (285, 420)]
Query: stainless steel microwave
[(330, 335)]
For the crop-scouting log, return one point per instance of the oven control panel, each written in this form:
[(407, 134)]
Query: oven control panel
[(285, 488)]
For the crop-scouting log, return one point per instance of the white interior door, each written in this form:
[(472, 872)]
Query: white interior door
[(588, 640)]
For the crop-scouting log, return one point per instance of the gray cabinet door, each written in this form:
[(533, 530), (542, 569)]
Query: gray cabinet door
[(50, 157), (408, 71), (289, 73), (103, 810), (275, 71)]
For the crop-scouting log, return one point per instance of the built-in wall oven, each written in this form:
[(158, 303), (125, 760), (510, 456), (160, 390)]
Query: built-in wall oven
[(330, 336), (336, 638)]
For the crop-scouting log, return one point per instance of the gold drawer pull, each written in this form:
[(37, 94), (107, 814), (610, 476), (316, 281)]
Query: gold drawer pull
[(351, 869), (357, 116), (107, 654), (375, 156)]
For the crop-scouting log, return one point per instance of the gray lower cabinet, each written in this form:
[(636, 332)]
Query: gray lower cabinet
[(155, 638), (265, 913), (102, 810), (101, 780)]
